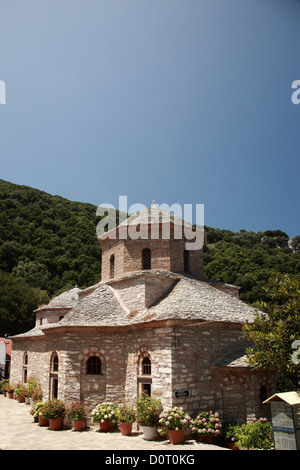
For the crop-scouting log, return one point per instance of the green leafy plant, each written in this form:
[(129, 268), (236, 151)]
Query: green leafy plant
[(148, 410), (229, 431), (76, 411), (53, 409), (126, 414), (207, 424), (274, 329), (4, 385), (36, 408), (174, 418), (20, 390), (255, 435), (33, 388), (106, 411), (37, 395), (10, 388)]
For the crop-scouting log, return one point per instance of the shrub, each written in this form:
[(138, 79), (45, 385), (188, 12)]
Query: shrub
[(36, 408), (126, 414), (33, 387), (174, 418), (255, 435), (207, 424), (105, 412), (229, 431), (20, 390), (53, 409), (76, 411)]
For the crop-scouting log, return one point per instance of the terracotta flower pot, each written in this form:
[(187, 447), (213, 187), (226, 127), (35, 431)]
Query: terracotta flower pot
[(79, 425), (105, 426), (126, 429), (22, 399), (231, 445), (206, 439), (176, 437), (43, 421), (10, 395), (55, 424)]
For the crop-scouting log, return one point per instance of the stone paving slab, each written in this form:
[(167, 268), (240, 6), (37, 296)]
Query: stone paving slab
[(19, 432)]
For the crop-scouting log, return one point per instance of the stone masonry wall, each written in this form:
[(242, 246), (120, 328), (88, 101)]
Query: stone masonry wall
[(165, 255), (232, 391)]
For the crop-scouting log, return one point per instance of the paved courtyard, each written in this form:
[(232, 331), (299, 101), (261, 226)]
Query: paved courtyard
[(19, 432)]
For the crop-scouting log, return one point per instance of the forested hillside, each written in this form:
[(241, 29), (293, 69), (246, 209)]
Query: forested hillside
[(48, 244)]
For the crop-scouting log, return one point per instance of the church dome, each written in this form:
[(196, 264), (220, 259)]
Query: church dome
[(153, 238)]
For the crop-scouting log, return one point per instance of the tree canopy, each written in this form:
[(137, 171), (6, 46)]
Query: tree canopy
[(275, 331)]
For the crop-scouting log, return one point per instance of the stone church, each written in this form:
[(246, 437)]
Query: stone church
[(153, 323)]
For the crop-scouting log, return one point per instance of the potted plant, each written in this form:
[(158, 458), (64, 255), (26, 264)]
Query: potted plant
[(35, 410), (54, 410), (255, 435), (4, 384), (148, 410), (77, 413), (10, 388), (27, 394), (33, 390), (207, 425), (174, 422), (20, 390), (37, 395), (41, 420), (126, 416), (105, 414)]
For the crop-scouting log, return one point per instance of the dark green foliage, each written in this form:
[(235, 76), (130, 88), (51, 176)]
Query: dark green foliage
[(17, 302), (48, 241), (249, 259)]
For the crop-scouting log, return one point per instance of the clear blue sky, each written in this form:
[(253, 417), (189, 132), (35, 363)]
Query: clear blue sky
[(181, 101)]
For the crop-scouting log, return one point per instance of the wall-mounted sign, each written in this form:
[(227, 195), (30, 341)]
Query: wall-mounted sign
[(182, 393)]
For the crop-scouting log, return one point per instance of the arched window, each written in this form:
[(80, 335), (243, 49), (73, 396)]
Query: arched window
[(54, 366), (146, 366), (93, 365), (25, 364), (186, 264), (112, 265), (146, 258), (144, 373), (263, 393), (55, 363)]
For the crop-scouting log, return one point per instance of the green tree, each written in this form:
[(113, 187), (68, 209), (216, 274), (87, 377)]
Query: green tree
[(275, 328), (17, 304)]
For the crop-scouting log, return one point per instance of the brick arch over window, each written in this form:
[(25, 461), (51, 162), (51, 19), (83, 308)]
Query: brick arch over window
[(92, 352), (142, 352)]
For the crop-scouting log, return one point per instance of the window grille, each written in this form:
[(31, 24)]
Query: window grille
[(146, 366), (55, 363), (93, 365)]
